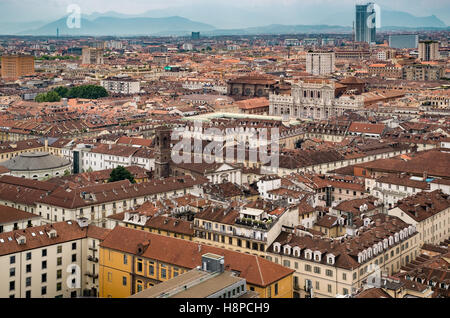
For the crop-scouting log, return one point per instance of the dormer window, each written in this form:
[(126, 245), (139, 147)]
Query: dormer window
[(308, 254), (276, 247), (296, 251), (375, 249), (51, 233), (330, 259), (380, 247), (317, 256), (396, 237), (391, 240), (287, 250), (21, 240), (405, 231)]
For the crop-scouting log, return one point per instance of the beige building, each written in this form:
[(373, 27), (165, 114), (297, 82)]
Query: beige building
[(92, 56), (422, 72), (251, 229), (320, 63), (428, 50), (330, 267), (57, 261), (429, 212)]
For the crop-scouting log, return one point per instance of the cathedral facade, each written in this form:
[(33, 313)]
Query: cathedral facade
[(314, 99)]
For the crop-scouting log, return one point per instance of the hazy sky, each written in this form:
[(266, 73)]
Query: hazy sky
[(37, 10)]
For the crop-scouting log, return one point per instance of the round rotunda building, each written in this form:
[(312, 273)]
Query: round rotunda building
[(37, 165)]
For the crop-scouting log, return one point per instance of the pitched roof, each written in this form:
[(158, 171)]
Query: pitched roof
[(9, 215), (424, 205), (256, 270), (65, 232)]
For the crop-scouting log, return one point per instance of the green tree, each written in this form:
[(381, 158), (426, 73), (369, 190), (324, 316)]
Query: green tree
[(87, 91), (120, 173), (62, 91), (53, 97), (48, 97)]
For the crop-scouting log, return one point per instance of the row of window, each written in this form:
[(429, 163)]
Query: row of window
[(12, 259)]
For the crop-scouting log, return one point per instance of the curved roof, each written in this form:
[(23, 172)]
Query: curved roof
[(33, 161)]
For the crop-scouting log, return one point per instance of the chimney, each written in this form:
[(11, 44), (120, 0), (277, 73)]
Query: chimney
[(378, 222), (289, 238)]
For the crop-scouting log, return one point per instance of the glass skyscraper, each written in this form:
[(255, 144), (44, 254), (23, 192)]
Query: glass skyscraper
[(365, 28), (403, 41)]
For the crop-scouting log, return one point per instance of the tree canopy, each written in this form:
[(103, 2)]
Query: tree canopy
[(120, 173), (83, 91), (48, 97)]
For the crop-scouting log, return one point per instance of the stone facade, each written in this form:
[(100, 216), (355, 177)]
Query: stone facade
[(313, 100)]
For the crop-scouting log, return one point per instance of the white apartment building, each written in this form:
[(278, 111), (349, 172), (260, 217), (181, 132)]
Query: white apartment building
[(320, 63), (121, 85), (391, 189), (196, 84), (267, 184), (57, 261), (110, 156)]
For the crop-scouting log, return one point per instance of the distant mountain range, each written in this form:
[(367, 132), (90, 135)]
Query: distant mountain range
[(115, 26), (150, 23)]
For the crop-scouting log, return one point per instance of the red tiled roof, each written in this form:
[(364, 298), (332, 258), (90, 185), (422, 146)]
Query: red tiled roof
[(256, 270)]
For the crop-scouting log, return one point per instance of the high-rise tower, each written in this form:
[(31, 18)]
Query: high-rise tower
[(365, 23)]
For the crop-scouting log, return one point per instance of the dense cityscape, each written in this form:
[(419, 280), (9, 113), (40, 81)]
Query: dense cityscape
[(196, 165)]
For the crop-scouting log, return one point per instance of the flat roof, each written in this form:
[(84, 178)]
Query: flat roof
[(203, 284), (210, 286)]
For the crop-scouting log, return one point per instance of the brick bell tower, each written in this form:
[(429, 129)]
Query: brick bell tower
[(163, 152)]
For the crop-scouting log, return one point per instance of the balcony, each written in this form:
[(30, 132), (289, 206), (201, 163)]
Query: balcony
[(89, 274), (93, 248), (92, 259), (262, 225)]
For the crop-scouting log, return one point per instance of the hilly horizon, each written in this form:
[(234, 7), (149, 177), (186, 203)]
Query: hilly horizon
[(104, 25), (118, 24)]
